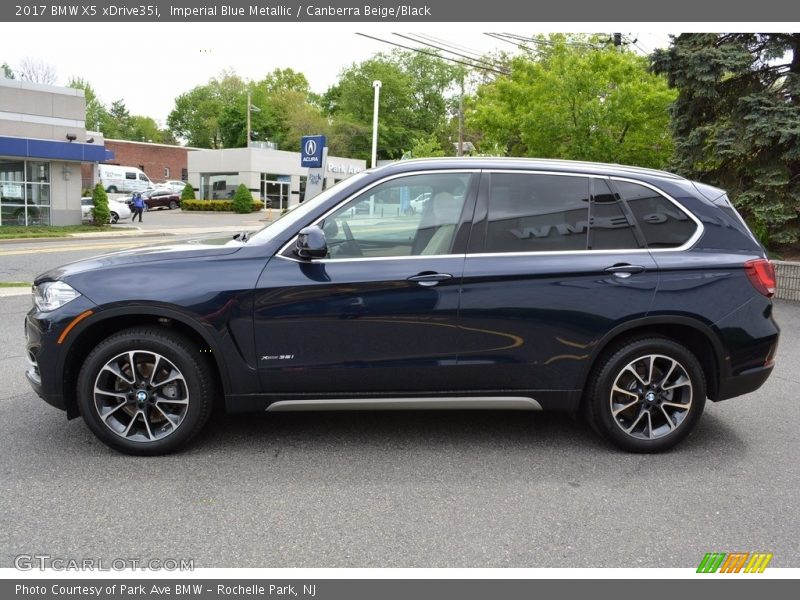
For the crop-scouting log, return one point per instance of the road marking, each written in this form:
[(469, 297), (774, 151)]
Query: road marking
[(70, 248)]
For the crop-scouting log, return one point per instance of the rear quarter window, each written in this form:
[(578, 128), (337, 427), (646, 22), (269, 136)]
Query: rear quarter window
[(662, 222)]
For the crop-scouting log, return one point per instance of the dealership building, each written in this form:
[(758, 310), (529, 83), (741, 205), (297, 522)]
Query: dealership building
[(273, 176), (43, 143)]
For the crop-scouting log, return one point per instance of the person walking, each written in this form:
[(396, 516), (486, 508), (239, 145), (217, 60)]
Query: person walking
[(138, 206)]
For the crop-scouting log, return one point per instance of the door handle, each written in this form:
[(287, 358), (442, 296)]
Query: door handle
[(430, 279), (624, 271)]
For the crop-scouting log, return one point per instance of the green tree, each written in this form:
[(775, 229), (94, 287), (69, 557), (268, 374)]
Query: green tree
[(6, 70), (427, 146), (100, 212), (188, 192), (203, 116), (96, 113), (413, 102), (736, 121), (575, 101), (242, 200)]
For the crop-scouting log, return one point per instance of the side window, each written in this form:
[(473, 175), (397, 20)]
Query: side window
[(130, 175), (407, 216), (536, 213), (663, 224), (142, 177), (609, 227)]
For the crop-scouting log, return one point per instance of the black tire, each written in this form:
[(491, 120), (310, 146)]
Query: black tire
[(113, 217), (175, 408), (112, 189), (654, 390), (173, 205)]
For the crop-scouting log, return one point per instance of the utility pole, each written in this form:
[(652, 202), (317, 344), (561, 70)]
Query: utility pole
[(461, 118), (618, 41)]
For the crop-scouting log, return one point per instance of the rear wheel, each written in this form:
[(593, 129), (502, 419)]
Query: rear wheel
[(145, 391), (112, 189), (173, 205), (113, 217), (646, 395)]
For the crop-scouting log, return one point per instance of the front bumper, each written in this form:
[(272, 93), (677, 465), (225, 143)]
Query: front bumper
[(45, 355)]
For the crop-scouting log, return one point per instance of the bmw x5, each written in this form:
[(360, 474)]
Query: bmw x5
[(628, 295)]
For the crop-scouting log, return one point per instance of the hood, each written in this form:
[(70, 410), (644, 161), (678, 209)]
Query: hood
[(216, 246)]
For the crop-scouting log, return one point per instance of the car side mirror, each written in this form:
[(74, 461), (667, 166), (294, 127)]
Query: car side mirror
[(311, 243)]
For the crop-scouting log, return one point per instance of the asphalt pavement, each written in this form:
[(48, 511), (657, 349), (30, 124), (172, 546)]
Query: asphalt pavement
[(418, 489)]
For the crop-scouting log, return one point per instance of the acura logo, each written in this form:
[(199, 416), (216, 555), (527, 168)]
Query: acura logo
[(311, 147)]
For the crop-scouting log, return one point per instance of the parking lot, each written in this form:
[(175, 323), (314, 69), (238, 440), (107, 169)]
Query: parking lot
[(417, 489)]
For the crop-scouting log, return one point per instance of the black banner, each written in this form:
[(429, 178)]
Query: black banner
[(389, 11), (387, 589)]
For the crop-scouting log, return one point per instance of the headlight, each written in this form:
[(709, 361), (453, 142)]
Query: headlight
[(51, 295)]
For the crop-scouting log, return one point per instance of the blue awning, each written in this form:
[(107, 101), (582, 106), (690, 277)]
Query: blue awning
[(33, 148)]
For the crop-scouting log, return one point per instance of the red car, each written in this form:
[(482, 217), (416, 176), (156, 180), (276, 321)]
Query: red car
[(158, 198)]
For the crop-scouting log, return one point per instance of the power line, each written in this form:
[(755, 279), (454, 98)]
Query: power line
[(488, 64), (475, 53), (435, 55)]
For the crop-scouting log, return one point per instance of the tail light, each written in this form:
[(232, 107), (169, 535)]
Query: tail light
[(762, 275)]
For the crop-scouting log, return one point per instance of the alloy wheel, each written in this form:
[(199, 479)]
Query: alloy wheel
[(651, 396)]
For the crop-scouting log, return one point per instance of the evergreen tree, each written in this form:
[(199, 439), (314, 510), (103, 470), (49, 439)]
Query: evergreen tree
[(100, 212), (242, 200), (736, 122)]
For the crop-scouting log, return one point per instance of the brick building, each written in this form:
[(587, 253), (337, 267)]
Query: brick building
[(159, 161)]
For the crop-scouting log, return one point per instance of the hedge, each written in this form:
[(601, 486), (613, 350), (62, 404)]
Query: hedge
[(215, 205)]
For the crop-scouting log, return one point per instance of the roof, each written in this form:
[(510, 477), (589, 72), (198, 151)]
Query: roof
[(537, 164)]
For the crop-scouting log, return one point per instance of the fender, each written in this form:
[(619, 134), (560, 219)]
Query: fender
[(208, 335), (702, 328)]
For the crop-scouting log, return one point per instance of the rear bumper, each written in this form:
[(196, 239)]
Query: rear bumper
[(744, 383)]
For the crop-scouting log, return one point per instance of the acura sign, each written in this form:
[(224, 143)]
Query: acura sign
[(311, 151)]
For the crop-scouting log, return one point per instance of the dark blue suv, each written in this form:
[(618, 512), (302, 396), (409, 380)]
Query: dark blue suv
[(626, 294)]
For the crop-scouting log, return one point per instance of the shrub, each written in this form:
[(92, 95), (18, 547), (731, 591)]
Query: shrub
[(100, 212), (188, 193), (216, 205), (242, 200)]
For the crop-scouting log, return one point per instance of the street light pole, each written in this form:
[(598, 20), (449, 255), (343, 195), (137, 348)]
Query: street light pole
[(377, 85), (248, 119)]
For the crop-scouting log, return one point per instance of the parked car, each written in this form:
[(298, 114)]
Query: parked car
[(627, 295), (157, 198), (117, 210), (172, 184)]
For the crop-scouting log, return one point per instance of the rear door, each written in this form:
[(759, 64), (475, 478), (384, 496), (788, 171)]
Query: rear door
[(553, 263)]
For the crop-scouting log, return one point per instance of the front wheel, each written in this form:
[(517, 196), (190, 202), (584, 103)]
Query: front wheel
[(113, 218), (173, 205), (646, 395), (145, 391)]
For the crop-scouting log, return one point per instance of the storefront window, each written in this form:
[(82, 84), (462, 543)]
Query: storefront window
[(24, 192), (218, 186)]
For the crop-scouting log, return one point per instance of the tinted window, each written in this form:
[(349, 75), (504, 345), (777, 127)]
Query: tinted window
[(663, 224), (534, 213), (610, 229), (414, 215), (130, 175)]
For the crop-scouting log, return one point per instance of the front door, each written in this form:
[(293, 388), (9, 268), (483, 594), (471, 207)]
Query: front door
[(380, 313)]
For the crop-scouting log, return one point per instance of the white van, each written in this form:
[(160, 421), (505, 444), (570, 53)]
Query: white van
[(117, 179)]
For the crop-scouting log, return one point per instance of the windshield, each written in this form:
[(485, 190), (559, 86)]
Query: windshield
[(297, 214)]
